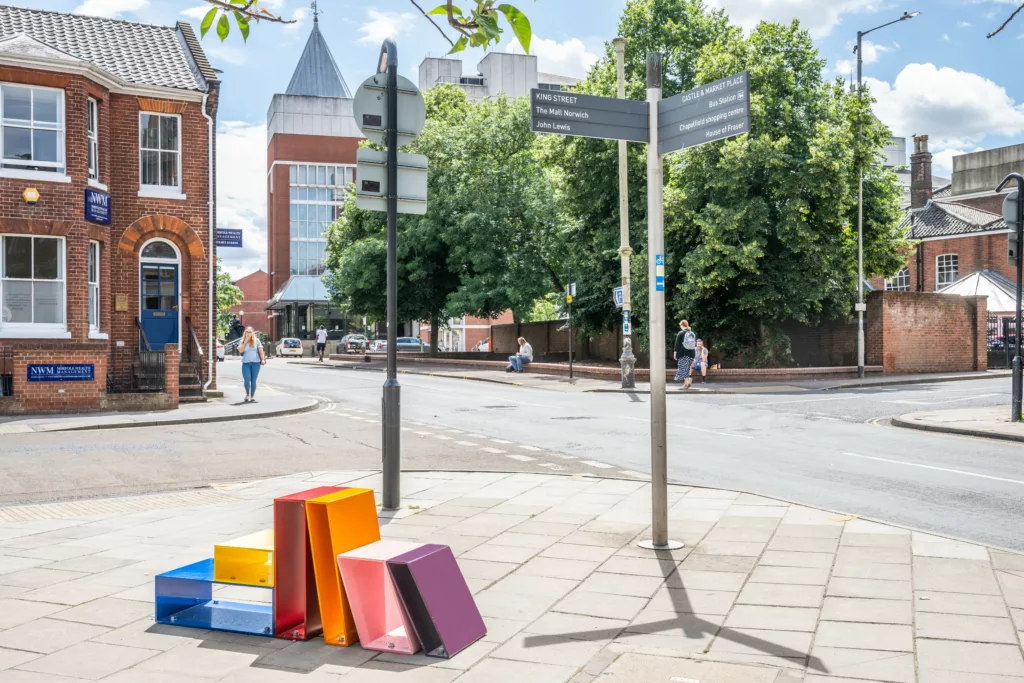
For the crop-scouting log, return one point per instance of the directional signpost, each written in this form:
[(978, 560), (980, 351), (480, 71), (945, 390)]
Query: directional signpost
[(390, 111), (711, 112)]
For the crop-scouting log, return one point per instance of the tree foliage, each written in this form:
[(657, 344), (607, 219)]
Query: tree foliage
[(761, 228), (228, 296), (488, 241)]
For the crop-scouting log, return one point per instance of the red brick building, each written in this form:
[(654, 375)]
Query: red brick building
[(252, 311), (106, 202), (312, 140), (959, 228)]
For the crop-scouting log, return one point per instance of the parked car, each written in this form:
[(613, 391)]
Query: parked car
[(289, 347), (410, 344), (220, 350), (351, 343), (379, 345)]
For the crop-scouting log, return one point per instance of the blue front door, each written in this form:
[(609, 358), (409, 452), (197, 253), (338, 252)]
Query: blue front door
[(160, 304)]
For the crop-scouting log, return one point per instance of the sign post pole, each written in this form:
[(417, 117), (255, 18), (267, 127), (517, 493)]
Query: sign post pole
[(392, 454), (625, 252), (656, 260), (1016, 223)]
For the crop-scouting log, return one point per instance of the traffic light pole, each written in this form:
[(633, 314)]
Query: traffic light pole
[(392, 451), (1018, 380)]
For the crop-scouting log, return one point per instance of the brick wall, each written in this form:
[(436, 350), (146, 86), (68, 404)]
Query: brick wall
[(171, 367), (929, 332), (830, 344), (255, 294), (59, 397)]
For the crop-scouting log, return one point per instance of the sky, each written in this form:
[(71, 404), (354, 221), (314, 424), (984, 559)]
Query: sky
[(936, 74)]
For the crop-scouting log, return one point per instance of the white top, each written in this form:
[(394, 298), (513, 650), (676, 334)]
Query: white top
[(321, 336), (526, 350)]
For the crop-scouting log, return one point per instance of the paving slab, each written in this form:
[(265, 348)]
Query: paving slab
[(977, 658), (865, 610), (773, 618), (898, 638), (894, 667), (630, 668), (954, 576), (963, 627), (868, 588), (777, 595), (960, 603), (91, 661)]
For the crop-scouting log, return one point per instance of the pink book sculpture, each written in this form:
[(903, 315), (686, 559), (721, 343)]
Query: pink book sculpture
[(380, 617)]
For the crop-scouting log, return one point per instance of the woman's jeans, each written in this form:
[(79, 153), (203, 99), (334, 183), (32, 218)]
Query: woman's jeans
[(517, 362), (250, 371)]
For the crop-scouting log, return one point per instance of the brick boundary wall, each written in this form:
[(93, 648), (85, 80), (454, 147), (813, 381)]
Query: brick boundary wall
[(171, 371)]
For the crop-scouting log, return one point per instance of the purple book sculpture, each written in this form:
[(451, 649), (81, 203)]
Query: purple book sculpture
[(435, 595)]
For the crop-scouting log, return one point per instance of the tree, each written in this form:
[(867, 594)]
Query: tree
[(490, 238), (1010, 18), (478, 28), (757, 227), (228, 296)]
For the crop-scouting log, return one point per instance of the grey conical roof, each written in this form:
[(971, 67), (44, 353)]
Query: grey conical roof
[(316, 74)]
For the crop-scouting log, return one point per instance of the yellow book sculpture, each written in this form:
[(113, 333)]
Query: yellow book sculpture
[(247, 561), (337, 523)]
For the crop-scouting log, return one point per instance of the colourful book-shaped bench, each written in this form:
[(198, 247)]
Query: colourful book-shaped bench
[(338, 522), (435, 595), (184, 597), (246, 561), (296, 604), (381, 620)]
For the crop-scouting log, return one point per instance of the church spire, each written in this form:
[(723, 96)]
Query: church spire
[(317, 74)]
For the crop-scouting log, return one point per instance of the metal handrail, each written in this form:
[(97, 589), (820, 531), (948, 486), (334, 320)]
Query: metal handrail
[(143, 341), (194, 339)]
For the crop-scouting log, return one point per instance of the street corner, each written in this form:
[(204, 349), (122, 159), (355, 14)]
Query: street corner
[(989, 423)]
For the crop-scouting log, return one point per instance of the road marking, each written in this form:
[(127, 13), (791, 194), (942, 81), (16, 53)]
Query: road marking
[(442, 437), (779, 403), (425, 433), (406, 429), (501, 441), (467, 443), (696, 429), (530, 448), (565, 457), (939, 469), (488, 449), (520, 458), (454, 431), (599, 465)]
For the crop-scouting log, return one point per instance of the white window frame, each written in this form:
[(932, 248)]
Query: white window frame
[(312, 183), (941, 269), (13, 167), (94, 286), (900, 282), (93, 126), (36, 330), (165, 191)]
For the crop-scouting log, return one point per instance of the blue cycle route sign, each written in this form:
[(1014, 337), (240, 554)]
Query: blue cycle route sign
[(61, 373)]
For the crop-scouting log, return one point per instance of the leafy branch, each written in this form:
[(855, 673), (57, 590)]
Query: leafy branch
[(480, 27), (243, 12), (1008, 20)]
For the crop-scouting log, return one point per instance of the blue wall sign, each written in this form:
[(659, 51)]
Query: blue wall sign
[(97, 206), (659, 272), (61, 373), (617, 296), (229, 238)]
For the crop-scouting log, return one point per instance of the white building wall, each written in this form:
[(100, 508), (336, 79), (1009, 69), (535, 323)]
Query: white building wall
[(302, 115)]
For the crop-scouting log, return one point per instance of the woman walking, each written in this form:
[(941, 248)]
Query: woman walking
[(252, 358)]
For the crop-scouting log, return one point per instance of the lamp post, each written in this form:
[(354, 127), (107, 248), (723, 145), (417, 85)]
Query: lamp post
[(627, 360), (859, 50)]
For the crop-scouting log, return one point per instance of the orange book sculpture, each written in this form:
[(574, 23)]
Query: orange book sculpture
[(338, 522)]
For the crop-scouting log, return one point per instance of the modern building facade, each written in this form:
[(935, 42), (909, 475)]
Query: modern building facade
[(106, 207), (498, 72), (312, 140)]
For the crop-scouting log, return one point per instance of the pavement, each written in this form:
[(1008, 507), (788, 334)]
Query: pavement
[(763, 592), (590, 385), (271, 403), (991, 422)]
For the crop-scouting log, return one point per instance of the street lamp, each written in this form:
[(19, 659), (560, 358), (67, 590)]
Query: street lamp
[(859, 51)]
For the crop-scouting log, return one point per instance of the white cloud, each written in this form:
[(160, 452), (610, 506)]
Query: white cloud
[(196, 13), (299, 17), (381, 25), (569, 58), (230, 54), (872, 53), (964, 24), (242, 193), (816, 16), (945, 37), (110, 8), (956, 109)]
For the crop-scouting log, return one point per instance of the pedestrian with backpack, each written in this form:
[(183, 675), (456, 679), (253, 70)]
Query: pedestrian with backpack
[(684, 351)]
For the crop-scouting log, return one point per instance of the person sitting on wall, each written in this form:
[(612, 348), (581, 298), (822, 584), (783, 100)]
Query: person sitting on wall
[(525, 355)]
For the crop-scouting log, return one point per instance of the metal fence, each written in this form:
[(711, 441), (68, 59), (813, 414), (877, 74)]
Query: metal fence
[(1002, 340), (6, 372), (133, 371)]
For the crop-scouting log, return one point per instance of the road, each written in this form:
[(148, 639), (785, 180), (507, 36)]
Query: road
[(827, 449)]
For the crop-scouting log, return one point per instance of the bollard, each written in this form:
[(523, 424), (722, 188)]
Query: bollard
[(627, 362)]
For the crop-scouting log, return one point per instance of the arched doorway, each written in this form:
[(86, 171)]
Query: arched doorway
[(160, 293)]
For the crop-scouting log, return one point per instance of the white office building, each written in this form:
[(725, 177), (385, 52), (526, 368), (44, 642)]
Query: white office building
[(498, 72)]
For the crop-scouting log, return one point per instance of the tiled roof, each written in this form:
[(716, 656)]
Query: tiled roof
[(139, 54), (947, 218), (316, 74)]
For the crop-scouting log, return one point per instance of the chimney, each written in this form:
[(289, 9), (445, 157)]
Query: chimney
[(920, 173)]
